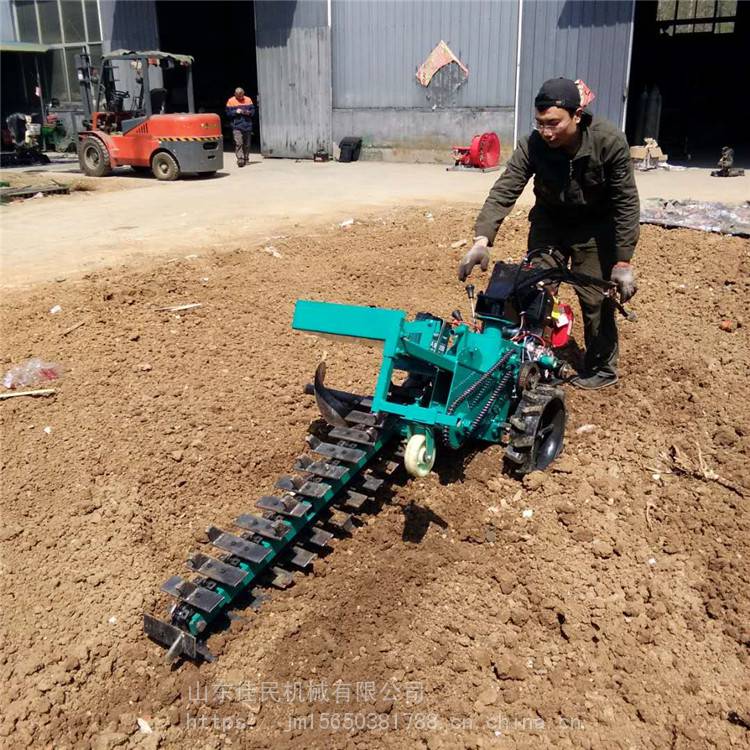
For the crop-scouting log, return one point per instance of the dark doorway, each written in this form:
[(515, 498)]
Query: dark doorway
[(695, 53), (220, 35)]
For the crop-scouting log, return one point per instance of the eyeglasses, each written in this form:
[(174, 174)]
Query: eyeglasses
[(550, 127)]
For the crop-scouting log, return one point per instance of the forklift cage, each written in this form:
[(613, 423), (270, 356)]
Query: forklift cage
[(105, 83)]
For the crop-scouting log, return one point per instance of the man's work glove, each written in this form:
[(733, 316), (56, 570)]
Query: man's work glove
[(624, 276), (479, 253)]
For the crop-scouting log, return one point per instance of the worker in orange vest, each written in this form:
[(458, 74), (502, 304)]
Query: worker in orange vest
[(240, 111)]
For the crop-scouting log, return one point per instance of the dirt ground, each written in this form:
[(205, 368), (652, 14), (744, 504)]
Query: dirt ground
[(130, 218), (616, 615)]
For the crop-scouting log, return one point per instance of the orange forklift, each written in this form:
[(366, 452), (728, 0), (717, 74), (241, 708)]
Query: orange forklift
[(143, 129)]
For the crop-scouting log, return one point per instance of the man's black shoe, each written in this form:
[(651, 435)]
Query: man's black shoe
[(595, 381)]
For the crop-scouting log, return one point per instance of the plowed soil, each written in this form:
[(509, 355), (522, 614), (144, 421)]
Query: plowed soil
[(602, 604)]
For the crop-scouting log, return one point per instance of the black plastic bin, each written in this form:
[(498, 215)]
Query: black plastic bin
[(350, 148)]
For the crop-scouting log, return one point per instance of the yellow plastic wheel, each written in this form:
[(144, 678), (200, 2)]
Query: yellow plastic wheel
[(418, 459)]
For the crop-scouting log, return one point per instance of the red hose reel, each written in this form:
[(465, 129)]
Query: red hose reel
[(483, 153)]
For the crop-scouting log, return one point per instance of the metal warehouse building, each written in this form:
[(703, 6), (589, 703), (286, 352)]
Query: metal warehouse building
[(325, 69)]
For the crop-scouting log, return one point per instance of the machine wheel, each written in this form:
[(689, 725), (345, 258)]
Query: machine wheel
[(417, 458), (93, 157), (165, 166), (537, 429)]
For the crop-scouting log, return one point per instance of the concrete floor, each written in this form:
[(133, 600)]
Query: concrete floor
[(61, 236)]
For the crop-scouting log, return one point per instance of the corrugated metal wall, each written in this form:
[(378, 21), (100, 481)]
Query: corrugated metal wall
[(128, 25), (378, 45), (7, 29), (587, 39), (293, 48)]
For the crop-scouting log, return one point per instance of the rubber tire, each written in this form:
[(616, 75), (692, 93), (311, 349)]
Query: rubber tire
[(165, 167), (542, 453), (549, 448), (93, 157), (414, 456)]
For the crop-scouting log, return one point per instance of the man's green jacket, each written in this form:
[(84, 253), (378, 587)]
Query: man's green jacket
[(596, 186)]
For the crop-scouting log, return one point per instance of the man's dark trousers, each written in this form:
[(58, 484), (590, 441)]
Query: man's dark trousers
[(241, 145), (589, 249)]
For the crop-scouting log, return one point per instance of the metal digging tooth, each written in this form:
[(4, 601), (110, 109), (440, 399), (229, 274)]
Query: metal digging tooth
[(262, 526), (362, 417), (320, 537), (331, 408), (341, 521), (302, 462), (322, 469), (287, 505), (354, 499), (282, 579), (302, 557), (236, 545), (215, 569), (352, 435), (330, 450), (287, 484)]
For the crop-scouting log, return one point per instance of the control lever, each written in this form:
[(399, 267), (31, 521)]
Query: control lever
[(470, 295)]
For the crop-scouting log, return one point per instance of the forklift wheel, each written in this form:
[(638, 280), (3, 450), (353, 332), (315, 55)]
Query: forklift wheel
[(165, 166), (93, 157)]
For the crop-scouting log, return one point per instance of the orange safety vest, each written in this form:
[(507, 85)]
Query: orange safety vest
[(233, 101)]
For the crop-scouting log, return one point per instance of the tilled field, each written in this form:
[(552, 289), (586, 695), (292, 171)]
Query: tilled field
[(616, 615)]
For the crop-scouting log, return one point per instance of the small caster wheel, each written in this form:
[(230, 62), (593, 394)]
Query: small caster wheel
[(418, 458)]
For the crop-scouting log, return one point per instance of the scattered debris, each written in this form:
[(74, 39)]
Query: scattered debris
[(179, 308), (40, 392), (680, 464), (429, 216), (458, 243), (47, 430), (584, 428), (31, 372), (722, 218), (346, 223), (56, 309), (112, 620), (73, 328), (728, 325), (271, 250), (11, 194), (527, 513), (144, 726)]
